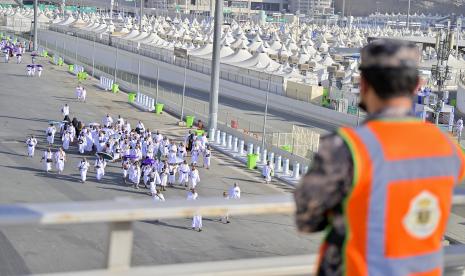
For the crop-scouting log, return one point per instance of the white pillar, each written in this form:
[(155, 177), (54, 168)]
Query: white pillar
[(212, 135), (286, 166), (250, 148), (218, 137), (241, 147), (277, 166), (296, 170), (138, 98), (257, 152), (229, 143), (304, 170), (264, 156), (235, 142), (271, 157), (223, 139)]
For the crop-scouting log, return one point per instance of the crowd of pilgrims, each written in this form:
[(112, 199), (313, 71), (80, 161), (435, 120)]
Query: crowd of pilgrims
[(148, 160)]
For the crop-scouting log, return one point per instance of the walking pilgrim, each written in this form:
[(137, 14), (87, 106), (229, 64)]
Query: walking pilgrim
[(184, 171), (50, 132), (99, 166), (194, 177), (65, 110), (197, 218), (31, 143), (48, 160), (83, 167), (207, 157), (60, 159)]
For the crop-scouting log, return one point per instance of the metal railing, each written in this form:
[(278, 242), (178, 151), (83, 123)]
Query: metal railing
[(120, 215), (239, 75)]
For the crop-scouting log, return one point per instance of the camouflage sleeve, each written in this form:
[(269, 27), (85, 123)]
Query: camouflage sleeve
[(323, 189)]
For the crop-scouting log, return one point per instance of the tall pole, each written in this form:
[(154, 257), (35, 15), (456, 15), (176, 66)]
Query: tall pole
[(116, 64), (183, 89), (408, 15), (266, 114), (93, 57), (458, 29), (138, 77), (158, 77), (112, 2), (343, 8), (141, 14), (35, 24), (76, 50), (215, 77)]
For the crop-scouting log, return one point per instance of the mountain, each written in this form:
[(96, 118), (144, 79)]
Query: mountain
[(366, 7)]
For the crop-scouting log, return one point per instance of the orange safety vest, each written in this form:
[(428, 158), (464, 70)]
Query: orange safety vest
[(397, 211)]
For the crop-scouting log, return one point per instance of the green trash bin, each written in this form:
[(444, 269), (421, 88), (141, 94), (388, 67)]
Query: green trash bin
[(115, 89), (131, 97), (252, 161), (159, 108), (60, 62), (287, 148), (71, 68), (189, 121)]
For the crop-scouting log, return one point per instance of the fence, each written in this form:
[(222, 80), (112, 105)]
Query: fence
[(120, 216), (243, 76), (196, 102)]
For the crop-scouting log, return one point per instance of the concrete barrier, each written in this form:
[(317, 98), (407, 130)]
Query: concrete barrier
[(105, 83), (144, 102)]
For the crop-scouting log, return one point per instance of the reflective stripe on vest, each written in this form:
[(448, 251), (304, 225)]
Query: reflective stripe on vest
[(397, 211)]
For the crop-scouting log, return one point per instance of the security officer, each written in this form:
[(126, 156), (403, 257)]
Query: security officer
[(382, 190)]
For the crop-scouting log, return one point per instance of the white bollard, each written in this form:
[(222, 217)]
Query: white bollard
[(296, 170), (229, 144), (241, 147), (258, 153), (218, 137), (223, 139), (250, 148), (235, 141), (152, 103), (146, 101), (277, 166), (264, 156), (304, 170), (286, 166), (271, 157), (211, 135), (138, 98)]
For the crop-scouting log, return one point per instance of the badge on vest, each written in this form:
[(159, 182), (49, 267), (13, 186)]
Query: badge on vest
[(423, 216)]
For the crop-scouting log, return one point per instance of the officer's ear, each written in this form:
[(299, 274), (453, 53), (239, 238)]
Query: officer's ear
[(420, 82)]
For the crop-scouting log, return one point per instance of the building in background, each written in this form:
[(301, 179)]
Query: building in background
[(311, 7)]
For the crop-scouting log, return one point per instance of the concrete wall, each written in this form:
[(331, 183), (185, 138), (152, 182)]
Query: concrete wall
[(127, 61)]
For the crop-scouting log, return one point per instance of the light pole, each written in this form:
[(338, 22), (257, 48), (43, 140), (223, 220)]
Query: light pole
[(158, 77), (408, 15), (141, 14), (93, 57), (138, 77), (184, 88), (116, 64), (181, 53), (215, 77), (266, 113), (35, 25)]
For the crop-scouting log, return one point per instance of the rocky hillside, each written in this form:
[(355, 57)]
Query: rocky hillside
[(365, 7)]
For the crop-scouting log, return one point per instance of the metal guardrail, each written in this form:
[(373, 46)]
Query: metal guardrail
[(120, 215)]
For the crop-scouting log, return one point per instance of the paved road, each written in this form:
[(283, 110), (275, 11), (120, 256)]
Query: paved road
[(26, 106)]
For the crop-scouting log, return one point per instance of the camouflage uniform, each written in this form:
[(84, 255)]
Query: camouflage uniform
[(321, 195)]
